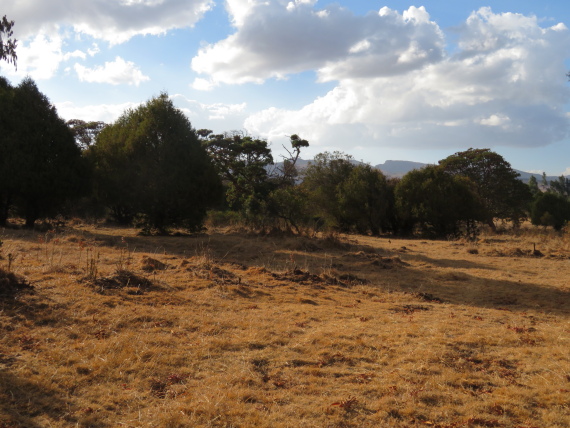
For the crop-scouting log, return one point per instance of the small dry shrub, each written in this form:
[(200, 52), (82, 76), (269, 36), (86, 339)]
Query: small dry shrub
[(121, 279), (150, 265)]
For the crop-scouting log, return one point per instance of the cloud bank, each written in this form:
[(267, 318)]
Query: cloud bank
[(42, 27), (114, 21), (397, 82)]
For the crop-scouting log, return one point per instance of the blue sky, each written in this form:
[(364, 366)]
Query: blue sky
[(379, 80)]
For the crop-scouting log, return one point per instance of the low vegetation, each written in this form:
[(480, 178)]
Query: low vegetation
[(234, 330)]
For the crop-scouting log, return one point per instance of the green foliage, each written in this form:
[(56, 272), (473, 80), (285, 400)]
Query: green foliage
[(550, 209), (85, 133), (7, 43), (241, 162), (150, 163), (363, 199), (346, 196), (533, 186), (436, 202), (503, 195), (561, 186), (290, 204), (322, 181), (41, 167)]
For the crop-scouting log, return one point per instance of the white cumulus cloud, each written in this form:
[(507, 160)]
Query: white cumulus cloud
[(116, 72), (277, 38), (39, 57), (504, 84), (111, 20), (107, 113)]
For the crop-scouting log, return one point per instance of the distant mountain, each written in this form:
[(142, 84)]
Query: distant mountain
[(399, 168)]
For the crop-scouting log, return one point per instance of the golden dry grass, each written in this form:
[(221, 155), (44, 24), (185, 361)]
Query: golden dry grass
[(231, 330)]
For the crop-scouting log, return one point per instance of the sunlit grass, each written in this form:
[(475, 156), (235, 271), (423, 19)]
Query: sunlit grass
[(233, 330)]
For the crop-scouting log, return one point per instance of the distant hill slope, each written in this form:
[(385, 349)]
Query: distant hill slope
[(399, 168)]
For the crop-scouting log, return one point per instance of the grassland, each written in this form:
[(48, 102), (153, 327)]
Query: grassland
[(236, 330)]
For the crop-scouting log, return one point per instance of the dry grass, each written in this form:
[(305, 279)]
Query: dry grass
[(230, 330)]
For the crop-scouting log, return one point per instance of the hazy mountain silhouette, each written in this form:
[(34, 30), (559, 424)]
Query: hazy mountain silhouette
[(399, 168)]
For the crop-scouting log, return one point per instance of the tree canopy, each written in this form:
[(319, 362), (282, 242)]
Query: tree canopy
[(85, 133), (550, 209), (503, 195), (436, 202), (150, 164), (241, 162), (347, 196), (41, 167)]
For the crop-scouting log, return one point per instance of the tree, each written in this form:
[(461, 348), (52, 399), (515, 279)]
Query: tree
[(7, 43), (561, 186), (533, 186), (41, 165), (550, 209), (7, 185), (85, 133), (503, 195), (288, 201), (241, 162), (322, 181), (347, 196), (150, 163), (437, 202), (288, 173), (363, 199)]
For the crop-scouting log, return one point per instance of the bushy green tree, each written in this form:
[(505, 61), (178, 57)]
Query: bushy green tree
[(7, 185), (322, 181), (347, 196), (241, 162), (503, 195), (363, 199), (150, 163), (85, 133), (533, 186), (41, 165), (436, 202), (550, 209), (561, 186)]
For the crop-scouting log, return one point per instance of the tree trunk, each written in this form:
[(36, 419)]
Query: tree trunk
[(4, 209)]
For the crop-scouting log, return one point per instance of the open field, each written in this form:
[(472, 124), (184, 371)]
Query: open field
[(233, 330)]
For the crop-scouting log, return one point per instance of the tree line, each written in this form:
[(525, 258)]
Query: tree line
[(151, 168)]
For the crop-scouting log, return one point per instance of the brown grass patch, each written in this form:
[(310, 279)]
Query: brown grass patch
[(233, 330)]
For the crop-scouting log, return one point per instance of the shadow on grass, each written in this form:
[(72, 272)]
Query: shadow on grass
[(24, 402), (316, 254)]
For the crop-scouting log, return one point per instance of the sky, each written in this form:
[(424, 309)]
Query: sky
[(379, 80)]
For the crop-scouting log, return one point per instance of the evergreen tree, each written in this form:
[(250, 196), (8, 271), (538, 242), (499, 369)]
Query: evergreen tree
[(550, 209), (533, 185), (437, 202), (150, 163), (41, 165), (503, 195)]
